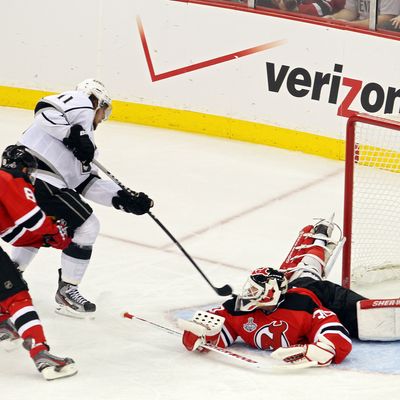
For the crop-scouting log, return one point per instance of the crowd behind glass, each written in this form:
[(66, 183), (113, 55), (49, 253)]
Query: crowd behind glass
[(369, 14)]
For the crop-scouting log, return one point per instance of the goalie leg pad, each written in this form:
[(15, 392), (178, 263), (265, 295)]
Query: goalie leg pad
[(379, 319), (312, 242)]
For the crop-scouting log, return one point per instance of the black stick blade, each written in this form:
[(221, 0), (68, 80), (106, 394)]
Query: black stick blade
[(224, 290)]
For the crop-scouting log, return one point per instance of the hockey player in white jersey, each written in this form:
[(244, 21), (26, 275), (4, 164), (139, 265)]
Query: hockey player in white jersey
[(61, 137)]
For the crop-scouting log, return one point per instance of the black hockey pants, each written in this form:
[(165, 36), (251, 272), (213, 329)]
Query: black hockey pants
[(342, 301)]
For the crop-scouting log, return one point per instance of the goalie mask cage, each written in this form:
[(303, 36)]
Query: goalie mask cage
[(371, 200)]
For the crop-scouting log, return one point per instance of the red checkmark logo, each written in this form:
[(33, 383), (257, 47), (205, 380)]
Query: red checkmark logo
[(204, 64)]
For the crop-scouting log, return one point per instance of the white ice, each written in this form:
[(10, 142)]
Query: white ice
[(233, 206)]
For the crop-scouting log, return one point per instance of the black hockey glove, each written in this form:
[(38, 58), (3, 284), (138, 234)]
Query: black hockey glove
[(80, 144), (135, 203)]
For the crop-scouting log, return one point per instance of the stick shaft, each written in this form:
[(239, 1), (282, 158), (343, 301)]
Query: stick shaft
[(223, 291), (225, 352)]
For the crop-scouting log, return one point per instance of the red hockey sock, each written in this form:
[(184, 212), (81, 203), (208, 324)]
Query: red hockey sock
[(26, 321)]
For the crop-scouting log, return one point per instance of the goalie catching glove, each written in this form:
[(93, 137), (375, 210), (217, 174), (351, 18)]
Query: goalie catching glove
[(203, 328), (318, 354), (132, 202)]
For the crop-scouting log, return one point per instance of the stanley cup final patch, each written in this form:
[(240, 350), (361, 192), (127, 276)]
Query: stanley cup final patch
[(250, 325)]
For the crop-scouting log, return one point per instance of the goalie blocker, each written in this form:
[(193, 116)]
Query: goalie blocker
[(204, 328)]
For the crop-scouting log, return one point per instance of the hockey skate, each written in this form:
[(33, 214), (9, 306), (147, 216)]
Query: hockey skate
[(71, 303), (9, 338), (50, 366)]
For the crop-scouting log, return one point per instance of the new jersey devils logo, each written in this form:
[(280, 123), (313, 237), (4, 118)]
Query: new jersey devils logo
[(272, 336)]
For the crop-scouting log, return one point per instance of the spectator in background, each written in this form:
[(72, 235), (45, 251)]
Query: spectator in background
[(357, 12), (393, 24), (317, 8)]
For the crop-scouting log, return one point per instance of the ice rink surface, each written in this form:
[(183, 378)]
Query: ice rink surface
[(233, 206)]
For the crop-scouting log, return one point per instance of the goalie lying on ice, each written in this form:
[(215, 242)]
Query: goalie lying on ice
[(293, 311)]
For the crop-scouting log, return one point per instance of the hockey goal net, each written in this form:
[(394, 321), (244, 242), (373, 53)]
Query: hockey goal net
[(372, 200)]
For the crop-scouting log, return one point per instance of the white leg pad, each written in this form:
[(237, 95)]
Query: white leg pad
[(379, 319)]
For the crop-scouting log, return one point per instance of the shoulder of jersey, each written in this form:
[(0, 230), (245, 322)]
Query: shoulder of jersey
[(71, 99), (10, 174), (299, 301)]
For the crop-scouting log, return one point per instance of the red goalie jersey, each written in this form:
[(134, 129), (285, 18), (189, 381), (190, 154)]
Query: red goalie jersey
[(22, 222), (300, 319)]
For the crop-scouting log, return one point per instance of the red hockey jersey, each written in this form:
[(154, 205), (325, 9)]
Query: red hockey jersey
[(22, 222), (300, 319), (319, 8)]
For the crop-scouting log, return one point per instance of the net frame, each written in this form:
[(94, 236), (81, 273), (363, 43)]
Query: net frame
[(355, 156)]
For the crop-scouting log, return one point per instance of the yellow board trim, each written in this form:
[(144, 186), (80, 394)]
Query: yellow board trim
[(195, 122)]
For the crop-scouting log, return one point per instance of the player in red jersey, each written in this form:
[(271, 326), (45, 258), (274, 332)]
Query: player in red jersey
[(293, 311), (23, 223)]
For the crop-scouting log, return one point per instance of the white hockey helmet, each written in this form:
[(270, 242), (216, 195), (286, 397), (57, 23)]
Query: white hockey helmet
[(265, 288), (93, 87)]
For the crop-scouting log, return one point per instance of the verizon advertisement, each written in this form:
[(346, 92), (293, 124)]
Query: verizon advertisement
[(229, 63)]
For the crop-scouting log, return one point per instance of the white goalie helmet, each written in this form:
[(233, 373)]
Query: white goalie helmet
[(93, 87), (265, 288)]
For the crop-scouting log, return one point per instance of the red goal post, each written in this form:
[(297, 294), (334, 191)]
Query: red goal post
[(371, 200)]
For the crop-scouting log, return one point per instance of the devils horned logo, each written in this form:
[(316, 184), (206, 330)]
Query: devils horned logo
[(272, 336)]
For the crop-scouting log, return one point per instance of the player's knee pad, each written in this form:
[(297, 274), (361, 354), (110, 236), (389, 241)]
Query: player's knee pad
[(11, 281), (378, 319), (87, 233)]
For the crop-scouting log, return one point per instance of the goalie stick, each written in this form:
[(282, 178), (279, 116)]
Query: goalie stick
[(225, 290), (238, 358)]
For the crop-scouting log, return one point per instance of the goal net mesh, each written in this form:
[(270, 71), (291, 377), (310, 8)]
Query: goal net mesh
[(375, 241)]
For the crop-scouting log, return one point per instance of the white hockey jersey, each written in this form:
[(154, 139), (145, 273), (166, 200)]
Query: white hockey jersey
[(57, 165)]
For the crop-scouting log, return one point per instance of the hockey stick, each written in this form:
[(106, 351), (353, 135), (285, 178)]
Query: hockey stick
[(225, 290), (227, 353), (243, 360)]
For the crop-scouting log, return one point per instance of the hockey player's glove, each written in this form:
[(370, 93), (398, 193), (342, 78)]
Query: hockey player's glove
[(80, 144), (203, 328), (59, 239), (318, 354), (132, 202)]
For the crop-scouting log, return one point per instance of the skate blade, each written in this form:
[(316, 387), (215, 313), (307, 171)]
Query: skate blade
[(10, 345), (69, 312), (51, 373)]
